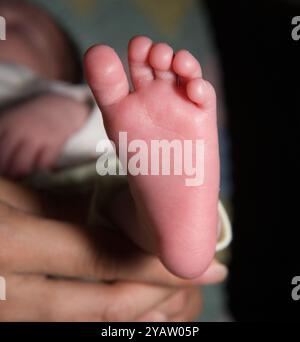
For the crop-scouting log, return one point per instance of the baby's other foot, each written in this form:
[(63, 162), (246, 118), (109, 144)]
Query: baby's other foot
[(170, 101), (32, 134)]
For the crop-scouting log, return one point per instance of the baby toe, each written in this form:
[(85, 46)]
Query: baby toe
[(161, 58), (186, 65), (201, 92)]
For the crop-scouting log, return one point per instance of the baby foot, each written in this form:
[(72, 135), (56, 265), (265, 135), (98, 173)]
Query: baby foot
[(170, 100)]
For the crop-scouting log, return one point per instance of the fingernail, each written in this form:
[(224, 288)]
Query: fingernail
[(216, 273), (220, 271)]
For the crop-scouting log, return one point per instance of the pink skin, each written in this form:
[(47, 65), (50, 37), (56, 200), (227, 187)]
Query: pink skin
[(25, 143), (170, 101)]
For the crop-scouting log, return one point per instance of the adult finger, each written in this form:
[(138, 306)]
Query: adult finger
[(192, 309), (37, 298), (31, 244), (184, 305), (26, 299), (73, 300)]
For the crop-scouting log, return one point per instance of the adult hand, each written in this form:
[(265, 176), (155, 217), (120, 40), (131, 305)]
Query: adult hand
[(62, 272)]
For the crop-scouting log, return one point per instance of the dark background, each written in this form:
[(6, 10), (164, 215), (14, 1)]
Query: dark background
[(261, 77)]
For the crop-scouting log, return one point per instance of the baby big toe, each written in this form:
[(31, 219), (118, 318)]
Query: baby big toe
[(105, 75)]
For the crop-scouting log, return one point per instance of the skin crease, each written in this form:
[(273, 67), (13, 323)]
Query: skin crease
[(173, 221)]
